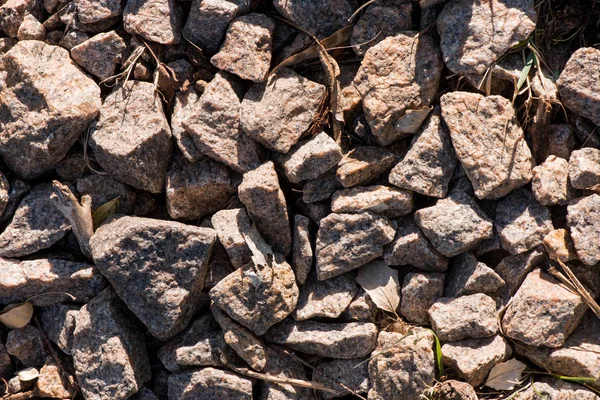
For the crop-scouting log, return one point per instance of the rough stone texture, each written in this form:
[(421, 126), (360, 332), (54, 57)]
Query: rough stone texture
[(98, 55), (384, 200), (157, 267), (364, 164), (559, 245), (109, 351), (361, 308), (5, 362), (325, 299), (353, 374), (46, 103), (261, 194), (419, 292), (334, 340), (411, 247), (579, 85), (455, 224), (132, 138), (456, 390), (379, 21), (277, 112), (31, 29), (231, 226), (36, 225), (474, 35), (488, 142), (144, 394), (51, 382), (208, 384), (543, 312), (90, 11), (310, 159), (583, 219), (185, 104), (472, 316), (521, 222), (18, 190), (104, 188), (72, 38), (21, 280), (4, 193), (321, 188), (214, 125), (429, 164), (219, 267), (281, 363), (12, 13), (550, 184), (469, 276), (584, 169), (258, 307), (26, 345), (302, 251), (513, 269), (405, 366), (200, 344), (246, 51), (58, 323), (319, 17), (561, 138), (250, 348), (556, 389), (473, 359), (208, 21), (348, 241), (398, 76), (197, 189), (159, 21)]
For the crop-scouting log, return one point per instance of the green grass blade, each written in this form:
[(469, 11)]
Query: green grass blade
[(578, 379), (526, 69), (438, 354)]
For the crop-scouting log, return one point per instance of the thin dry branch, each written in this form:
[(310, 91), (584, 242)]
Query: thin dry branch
[(579, 288)]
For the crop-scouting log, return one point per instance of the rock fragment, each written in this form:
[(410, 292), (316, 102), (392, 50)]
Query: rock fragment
[(419, 292), (584, 171), (454, 224), (26, 345), (58, 323), (361, 309), (472, 316), (321, 188), (91, 11), (31, 29), (246, 51), (47, 102), (561, 139), (469, 276), (364, 164), (276, 113), (456, 390), (348, 241), (98, 55), (514, 268), (584, 224), (159, 21), (104, 188), (553, 388), (559, 245), (319, 17), (325, 299), (551, 184), (231, 226), (353, 374), (261, 194), (185, 104), (384, 200), (302, 251), (132, 139), (157, 267), (12, 13), (51, 382), (397, 80), (334, 340), (4, 193), (283, 364), (209, 383)]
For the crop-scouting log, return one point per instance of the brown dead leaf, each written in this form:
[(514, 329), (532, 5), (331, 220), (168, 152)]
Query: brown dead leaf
[(105, 211), (16, 316), (412, 120), (506, 375)]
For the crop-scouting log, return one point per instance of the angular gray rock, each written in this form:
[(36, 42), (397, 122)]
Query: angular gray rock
[(144, 394), (319, 17), (583, 168), (4, 193), (18, 190), (360, 309), (37, 224), (31, 29), (411, 247), (472, 316), (348, 241), (109, 351), (561, 139), (132, 138), (363, 164), (333, 340), (488, 141), (419, 292), (278, 112), (51, 382), (321, 188), (553, 388), (454, 224), (246, 51), (47, 280), (104, 188), (473, 359), (456, 390), (429, 164), (514, 268), (46, 103), (325, 299), (353, 374), (405, 366), (283, 364), (302, 251), (258, 296), (98, 55), (186, 103), (208, 384), (543, 311), (583, 219), (214, 125), (197, 189), (26, 345), (159, 21), (12, 14), (551, 184), (469, 276), (578, 86), (474, 35), (311, 159), (559, 245), (231, 226), (58, 323), (90, 11), (157, 267), (383, 200), (261, 194), (397, 81)]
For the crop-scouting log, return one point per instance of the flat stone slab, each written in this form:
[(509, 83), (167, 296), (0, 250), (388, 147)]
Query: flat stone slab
[(583, 220), (207, 384), (384, 200), (157, 267)]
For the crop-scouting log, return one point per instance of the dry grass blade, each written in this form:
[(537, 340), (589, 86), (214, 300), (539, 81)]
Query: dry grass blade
[(332, 72), (580, 289), (20, 396), (78, 215)]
